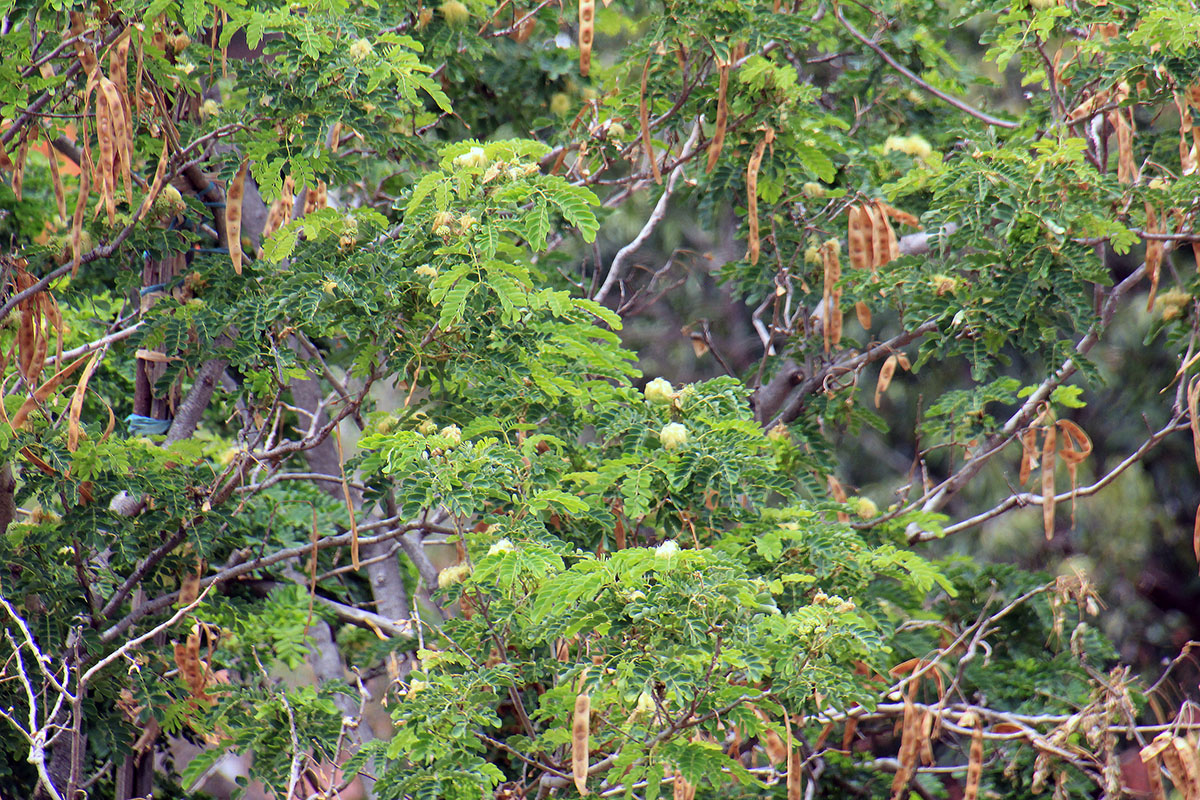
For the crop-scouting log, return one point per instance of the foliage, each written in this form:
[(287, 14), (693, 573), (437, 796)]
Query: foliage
[(367, 279)]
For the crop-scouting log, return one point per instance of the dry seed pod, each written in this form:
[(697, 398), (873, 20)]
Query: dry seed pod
[(839, 494), (891, 243), (909, 748), (795, 765), (644, 119), (1154, 255), (878, 236), (1127, 171), (122, 139), (104, 168), (1028, 454), (864, 315), (1193, 401), (587, 29), (580, 726), (752, 167), (974, 763), (44, 391), (1074, 447), (1153, 774), (76, 408), (903, 217), (1049, 453), (1189, 764), (885, 378), (832, 296), (233, 216), (718, 140), (1187, 149), (859, 238)]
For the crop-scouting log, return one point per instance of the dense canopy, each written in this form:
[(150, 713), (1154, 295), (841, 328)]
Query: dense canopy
[(514, 399)]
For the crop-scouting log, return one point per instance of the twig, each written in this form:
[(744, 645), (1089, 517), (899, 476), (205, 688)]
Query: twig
[(656, 217), (912, 76)]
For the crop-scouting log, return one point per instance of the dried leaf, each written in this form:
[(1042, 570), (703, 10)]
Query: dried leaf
[(580, 726), (718, 140), (76, 407), (863, 312), (233, 216), (1187, 779), (1049, 453), (752, 167), (587, 29), (885, 378)]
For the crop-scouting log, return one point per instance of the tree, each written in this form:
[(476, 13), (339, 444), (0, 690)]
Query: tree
[(363, 280)]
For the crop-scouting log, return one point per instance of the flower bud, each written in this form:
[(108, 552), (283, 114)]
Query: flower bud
[(451, 432)]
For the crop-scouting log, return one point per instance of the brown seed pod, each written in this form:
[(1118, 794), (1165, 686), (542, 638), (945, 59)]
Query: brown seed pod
[(903, 217), (910, 736), (587, 29), (1074, 446), (863, 312), (753, 244), (1127, 171), (103, 169), (76, 407), (233, 216), (795, 764), (885, 378), (718, 140), (839, 494), (1028, 454), (644, 119), (878, 234), (121, 134), (832, 296), (974, 763), (1154, 255), (891, 244), (1049, 461), (859, 238), (580, 727)]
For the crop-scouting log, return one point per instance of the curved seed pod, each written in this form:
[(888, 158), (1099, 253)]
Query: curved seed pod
[(580, 726), (121, 139), (1049, 461), (587, 29), (1074, 447), (753, 244), (903, 217), (885, 378), (76, 409), (718, 140), (233, 216)]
